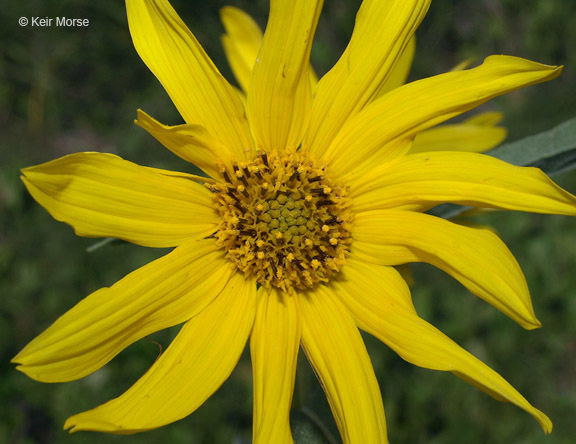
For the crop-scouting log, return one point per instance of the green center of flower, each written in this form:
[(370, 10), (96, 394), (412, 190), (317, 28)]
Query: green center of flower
[(284, 220)]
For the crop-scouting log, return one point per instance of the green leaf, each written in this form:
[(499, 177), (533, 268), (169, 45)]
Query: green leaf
[(308, 428), (552, 151)]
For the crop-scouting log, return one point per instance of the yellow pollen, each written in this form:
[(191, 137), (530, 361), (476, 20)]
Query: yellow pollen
[(276, 211)]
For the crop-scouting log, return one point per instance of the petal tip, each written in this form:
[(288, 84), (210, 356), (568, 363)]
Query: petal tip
[(544, 422)]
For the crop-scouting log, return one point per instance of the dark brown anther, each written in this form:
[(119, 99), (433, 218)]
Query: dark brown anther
[(232, 195), (244, 181), (247, 172), (265, 159), (321, 252), (239, 206), (318, 191), (333, 220), (315, 179), (273, 265), (258, 175), (251, 233), (226, 176), (300, 267), (295, 175), (324, 202)]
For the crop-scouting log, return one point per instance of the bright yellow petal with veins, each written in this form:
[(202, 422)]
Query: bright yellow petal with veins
[(372, 136), (338, 355), (477, 258), (201, 94), (459, 137), (192, 143), (382, 31), (161, 294), (415, 340), (274, 345), (102, 195), (195, 365), (420, 181), (241, 43), (400, 70), (280, 96), (391, 285)]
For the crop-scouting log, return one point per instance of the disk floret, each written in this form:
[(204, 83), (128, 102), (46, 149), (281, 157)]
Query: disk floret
[(284, 220)]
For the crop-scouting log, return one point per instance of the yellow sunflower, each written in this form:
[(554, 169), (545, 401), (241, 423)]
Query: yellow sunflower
[(312, 198)]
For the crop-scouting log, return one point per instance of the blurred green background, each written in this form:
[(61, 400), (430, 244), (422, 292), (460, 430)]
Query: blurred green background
[(64, 90)]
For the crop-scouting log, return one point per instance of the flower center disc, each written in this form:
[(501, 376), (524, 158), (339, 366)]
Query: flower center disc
[(283, 220)]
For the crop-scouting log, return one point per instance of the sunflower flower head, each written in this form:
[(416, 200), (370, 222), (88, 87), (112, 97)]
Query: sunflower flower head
[(314, 191), (283, 220)]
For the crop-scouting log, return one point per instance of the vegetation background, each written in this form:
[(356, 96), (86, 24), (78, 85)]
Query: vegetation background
[(65, 90)]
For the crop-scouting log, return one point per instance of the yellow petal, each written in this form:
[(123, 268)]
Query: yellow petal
[(382, 31), (195, 365), (274, 345), (463, 64), (489, 118), (400, 70), (279, 98), (102, 195), (416, 341), (459, 137), (191, 142), (163, 293), (478, 259), (241, 43), (364, 274), (372, 136), (421, 181), (194, 84), (337, 353)]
